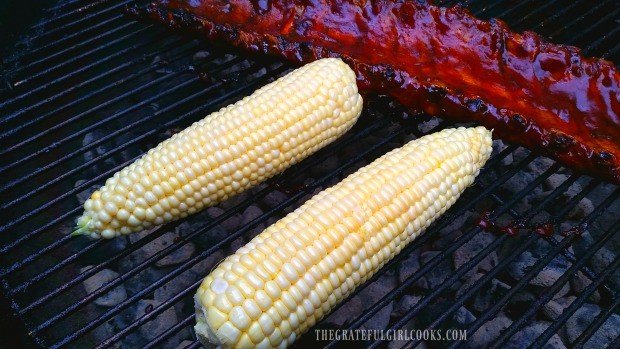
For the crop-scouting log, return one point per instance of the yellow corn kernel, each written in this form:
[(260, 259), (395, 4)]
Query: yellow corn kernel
[(228, 152), (380, 209)]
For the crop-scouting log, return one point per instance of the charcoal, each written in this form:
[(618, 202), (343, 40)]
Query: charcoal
[(234, 201), (405, 304), (446, 239), (184, 344), (408, 266), (461, 222), (159, 324), (381, 319), (471, 248), (468, 281), (508, 160), (427, 126), (582, 318), (583, 208), (580, 282), (230, 225), (205, 266), (487, 295), (539, 165), (326, 166), (162, 242), (250, 214), (555, 307), (521, 265), (550, 273), (606, 334), (109, 298), (520, 303), (555, 180), (408, 327), (347, 313), (464, 317), (437, 275), (375, 291), (526, 336), (97, 151), (274, 198), (488, 332), (178, 256), (85, 193)]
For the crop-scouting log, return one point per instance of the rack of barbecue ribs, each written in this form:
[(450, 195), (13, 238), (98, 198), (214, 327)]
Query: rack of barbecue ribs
[(442, 61)]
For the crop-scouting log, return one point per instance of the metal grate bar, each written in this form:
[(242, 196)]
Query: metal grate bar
[(602, 20), (68, 3), (185, 266), (83, 43), (145, 135), (62, 41), (77, 189), (590, 11), (85, 130), (102, 122), (81, 151), (76, 135), (126, 78), (593, 327), (194, 345), (264, 192), (160, 254), (458, 303), (614, 344), (423, 238), (81, 20), (561, 11), (538, 266), (440, 257), (73, 73), (578, 302), (152, 314), (61, 218), (513, 8), (70, 13), (80, 56), (157, 341), (255, 223), (486, 7), (534, 11), (551, 291), (92, 271), (596, 43), (73, 88)]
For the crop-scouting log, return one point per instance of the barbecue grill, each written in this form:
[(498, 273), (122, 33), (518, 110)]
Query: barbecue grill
[(527, 256)]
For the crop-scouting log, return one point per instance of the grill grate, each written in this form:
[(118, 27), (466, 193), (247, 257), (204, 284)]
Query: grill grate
[(95, 90)]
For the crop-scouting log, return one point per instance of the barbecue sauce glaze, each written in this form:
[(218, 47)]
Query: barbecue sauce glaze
[(442, 61)]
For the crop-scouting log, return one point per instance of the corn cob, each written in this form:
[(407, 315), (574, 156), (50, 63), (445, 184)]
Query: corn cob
[(292, 274), (228, 152)]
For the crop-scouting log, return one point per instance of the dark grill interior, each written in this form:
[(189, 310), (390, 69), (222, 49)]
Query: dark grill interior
[(88, 90)]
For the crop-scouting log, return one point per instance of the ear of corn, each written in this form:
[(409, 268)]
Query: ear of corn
[(292, 274), (229, 151)]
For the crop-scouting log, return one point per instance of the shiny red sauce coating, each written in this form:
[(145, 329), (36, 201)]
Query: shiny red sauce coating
[(442, 61), (545, 229)]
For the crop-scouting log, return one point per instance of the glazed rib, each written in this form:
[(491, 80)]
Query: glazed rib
[(443, 61)]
